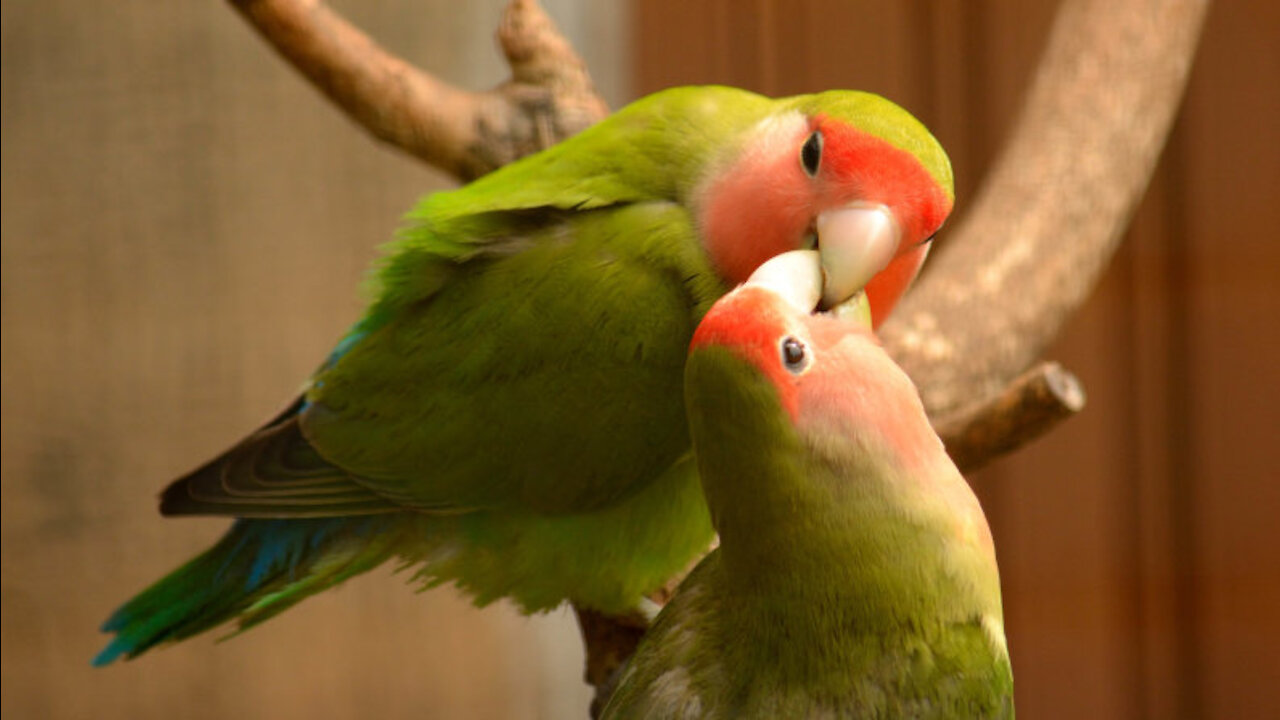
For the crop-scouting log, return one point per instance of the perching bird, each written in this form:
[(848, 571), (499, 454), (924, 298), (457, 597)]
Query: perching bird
[(855, 576), (508, 414)]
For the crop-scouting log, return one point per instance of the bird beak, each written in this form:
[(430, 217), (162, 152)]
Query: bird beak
[(855, 242), (797, 277)]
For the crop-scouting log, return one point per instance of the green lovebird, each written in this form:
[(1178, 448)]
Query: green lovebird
[(856, 575), (508, 414)]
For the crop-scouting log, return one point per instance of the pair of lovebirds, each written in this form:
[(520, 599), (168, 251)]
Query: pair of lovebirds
[(557, 394)]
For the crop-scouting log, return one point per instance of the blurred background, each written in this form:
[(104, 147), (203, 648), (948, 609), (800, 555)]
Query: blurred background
[(185, 224)]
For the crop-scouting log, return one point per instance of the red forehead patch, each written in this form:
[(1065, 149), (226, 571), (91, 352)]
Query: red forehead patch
[(860, 165), (751, 321)]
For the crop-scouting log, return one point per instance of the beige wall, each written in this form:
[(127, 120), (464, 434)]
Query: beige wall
[(185, 225)]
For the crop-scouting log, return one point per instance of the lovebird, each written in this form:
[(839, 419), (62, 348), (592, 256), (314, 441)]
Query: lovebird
[(855, 576), (508, 414)]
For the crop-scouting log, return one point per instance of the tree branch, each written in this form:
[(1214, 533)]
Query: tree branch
[(610, 640), (1053, 210), (1034, 402), (467, 134)]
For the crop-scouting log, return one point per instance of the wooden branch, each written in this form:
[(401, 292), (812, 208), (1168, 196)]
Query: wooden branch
[(610, 640), (467, 134), (1052, 212), (1033, 403)]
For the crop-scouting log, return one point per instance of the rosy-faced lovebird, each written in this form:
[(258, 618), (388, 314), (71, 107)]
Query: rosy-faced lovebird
[(508, 414), (855, 576)]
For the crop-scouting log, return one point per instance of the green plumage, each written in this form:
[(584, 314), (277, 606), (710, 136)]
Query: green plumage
[(597, 314), (846, 585), (258, 569), (508, 414)]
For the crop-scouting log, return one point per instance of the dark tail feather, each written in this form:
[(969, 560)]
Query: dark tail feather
[(272, 473), (258, 569)]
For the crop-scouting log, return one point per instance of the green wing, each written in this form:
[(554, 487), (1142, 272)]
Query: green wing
[(544, 373), (504, 317)]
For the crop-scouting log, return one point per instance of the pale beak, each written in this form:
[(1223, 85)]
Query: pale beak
[(796, 276), (855, 242)]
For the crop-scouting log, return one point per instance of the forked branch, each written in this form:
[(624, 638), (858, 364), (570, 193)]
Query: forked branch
[(467, 134)]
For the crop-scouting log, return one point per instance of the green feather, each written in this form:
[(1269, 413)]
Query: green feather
[(258, 569)]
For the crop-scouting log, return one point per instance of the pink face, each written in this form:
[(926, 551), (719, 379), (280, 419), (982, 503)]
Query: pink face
[(840, 379), (793, 168), (835, 381)]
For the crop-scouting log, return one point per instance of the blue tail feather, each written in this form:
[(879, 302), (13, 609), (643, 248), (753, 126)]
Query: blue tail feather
[(259, 568)]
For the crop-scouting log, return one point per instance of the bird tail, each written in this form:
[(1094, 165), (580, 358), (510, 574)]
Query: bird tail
[(258, 569)]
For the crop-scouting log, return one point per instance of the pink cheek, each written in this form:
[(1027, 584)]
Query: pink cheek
[(788, 391), (755, 213), (740, 237)]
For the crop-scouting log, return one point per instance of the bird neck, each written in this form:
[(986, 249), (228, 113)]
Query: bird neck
[(859, 551)]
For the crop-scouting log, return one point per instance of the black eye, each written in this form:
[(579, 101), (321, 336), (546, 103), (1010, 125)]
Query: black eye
[(794, 355), (811, 153)]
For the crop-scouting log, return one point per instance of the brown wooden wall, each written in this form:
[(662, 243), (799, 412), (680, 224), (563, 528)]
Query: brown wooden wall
[(1139, 543)]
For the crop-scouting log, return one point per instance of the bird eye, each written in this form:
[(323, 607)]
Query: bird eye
[(811, 153), (794, 355)]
